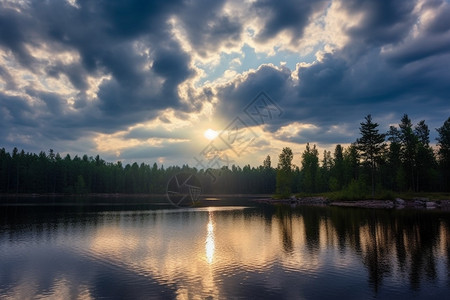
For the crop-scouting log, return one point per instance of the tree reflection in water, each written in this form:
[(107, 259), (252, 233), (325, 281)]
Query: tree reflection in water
[(285, 220), (388, 241), (258, 252)]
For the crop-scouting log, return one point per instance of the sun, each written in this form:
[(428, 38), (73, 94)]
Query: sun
[(210, 134)]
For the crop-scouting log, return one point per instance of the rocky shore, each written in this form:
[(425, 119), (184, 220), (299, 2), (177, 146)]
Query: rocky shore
[(417, 203), (293, 201)]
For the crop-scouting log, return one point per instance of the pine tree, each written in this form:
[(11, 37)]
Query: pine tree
[(337, 170), (395, 174), (284, 172), (425, 160), (408, 150), (327, 165), (371, 146), (310, 169), (444, 152), (267, 163)]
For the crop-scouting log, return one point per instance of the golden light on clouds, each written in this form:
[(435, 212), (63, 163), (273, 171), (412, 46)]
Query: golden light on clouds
[(295, 128)]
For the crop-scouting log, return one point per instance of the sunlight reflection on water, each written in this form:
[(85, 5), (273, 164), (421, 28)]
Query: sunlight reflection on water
[(209, 243), (225, 252)]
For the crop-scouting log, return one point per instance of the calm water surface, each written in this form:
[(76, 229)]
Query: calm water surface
[(222, 252)]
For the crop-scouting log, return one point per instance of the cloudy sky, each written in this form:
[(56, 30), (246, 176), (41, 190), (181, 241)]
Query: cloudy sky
[(143, 80)]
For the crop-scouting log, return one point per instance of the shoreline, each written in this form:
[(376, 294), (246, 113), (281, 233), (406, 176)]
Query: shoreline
[(119, 195), (417, 203)]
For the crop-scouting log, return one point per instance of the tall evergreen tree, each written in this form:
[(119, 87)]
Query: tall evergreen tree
[(351, 163), (395, 173), (425, 161), (408, 150), (327, 165), (310, 169), (284, 172), (371, 146), (444, 152), (268, 175), (337, 171), (267, 163)]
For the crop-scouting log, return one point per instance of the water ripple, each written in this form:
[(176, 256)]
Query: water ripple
[(225, 252)]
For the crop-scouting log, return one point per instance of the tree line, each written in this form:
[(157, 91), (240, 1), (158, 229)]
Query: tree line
[(401, 159), (22, 172)]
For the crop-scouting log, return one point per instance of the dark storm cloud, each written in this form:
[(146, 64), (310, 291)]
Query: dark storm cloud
[(237, 95), (126, 40), (337, 92), (18, 125), (208, 28), (382, 70), (433, 41), (292, 15), (411, 77), (75, 73), (171, 63), (382, 21), (14, 30), (422, 48), (15, 111), (103, 35), (135, 17), (7, 79), (52, 101), (441, 22), (40, 122)]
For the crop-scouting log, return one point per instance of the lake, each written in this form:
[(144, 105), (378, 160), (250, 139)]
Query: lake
[(228, 249)]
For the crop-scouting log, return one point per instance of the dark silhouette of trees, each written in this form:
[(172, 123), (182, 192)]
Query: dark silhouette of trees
[(425, 160), (351, 164), (267, 164), (394, 170), (408, 162), (408, 150), (337, 170), (284, 172), (371, 146), (310, 169), (444, 153)]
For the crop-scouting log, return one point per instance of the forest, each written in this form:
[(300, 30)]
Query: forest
[(376, 164)]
